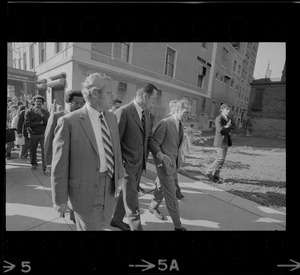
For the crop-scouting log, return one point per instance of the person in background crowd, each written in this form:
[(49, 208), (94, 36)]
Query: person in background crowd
[(15, 120), (116, 105), (136, 137), (22, 132), (75, 101), (36, 121), (224, 126), (169, 134), (87, 163), (11, 113)]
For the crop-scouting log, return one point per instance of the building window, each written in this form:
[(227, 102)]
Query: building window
[(224, 57), (122, 90), (42, 52), (58, 47), (194, 106), (232, 108), (204, 45), (121, 51), (203, 104), (201, 75), (31, 56), (239, 72), (19, 63), (170, 62), (24, 62), (234, 65)]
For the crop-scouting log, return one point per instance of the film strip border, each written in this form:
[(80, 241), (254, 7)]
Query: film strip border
[(150, 22), (208, 252)]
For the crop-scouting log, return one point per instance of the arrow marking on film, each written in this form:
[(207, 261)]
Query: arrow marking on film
[(10, 266), (296, 265), (148, 266)]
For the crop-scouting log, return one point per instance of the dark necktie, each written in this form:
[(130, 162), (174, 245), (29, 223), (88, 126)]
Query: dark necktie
[(180, 132), (143, 119), (107, 147)]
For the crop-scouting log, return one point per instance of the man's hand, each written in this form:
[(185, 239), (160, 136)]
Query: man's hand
[(48, 171), (164, 158), (228, 124), (62, 209)]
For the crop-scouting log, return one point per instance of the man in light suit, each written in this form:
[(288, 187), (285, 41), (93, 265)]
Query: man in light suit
[(87, 164), (136, 138), (168, 134)]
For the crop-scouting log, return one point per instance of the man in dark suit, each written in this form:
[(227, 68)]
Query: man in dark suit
[(87, 164), (75, 101), (224, 127), (136, 138), (168, 134)]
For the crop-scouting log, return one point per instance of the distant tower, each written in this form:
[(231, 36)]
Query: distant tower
[(268, 71)]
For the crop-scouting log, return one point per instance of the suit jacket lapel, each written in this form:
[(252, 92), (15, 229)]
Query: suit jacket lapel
[(174, 129), (88, 128), (135, 116)]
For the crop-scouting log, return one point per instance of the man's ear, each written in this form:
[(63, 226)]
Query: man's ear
[(145, 96)]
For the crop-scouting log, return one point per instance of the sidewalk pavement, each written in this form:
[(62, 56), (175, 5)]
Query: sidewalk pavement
[(29, 205)]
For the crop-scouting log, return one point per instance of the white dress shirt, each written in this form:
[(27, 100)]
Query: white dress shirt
[(177, 123), (96, 124), (138, 108)]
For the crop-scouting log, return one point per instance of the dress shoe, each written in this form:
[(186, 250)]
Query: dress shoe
[(219, 180), (156, 213), (140, 189), (180, 229), (211, 177), (179, 195), (122, 225)]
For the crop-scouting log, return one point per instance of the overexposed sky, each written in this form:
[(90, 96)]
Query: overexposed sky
[(273, 52)]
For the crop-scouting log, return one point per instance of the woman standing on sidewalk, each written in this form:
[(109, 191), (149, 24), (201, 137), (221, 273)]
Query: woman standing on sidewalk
[(224, 127)]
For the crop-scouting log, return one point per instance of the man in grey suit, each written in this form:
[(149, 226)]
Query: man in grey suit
[(136, 138), (87, 164), (168, 134)]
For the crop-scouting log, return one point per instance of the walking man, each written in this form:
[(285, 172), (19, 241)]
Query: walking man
[(87, 163), (168, 134), (136, 138), (224, 127), (36, 119)]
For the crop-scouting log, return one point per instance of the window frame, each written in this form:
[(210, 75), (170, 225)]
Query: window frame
[(174, 65)]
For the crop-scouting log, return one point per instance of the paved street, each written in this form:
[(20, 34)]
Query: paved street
[(29, 206)]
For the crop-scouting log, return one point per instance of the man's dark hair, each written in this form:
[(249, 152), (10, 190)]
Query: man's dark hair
[(147, 88), (21, 108), (70, 94), (38, 97)]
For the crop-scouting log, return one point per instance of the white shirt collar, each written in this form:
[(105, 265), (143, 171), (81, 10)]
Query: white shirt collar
[(94, 114), (138, 108)]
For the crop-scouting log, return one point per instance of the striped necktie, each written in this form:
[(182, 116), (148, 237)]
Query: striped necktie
[(107, 146)]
